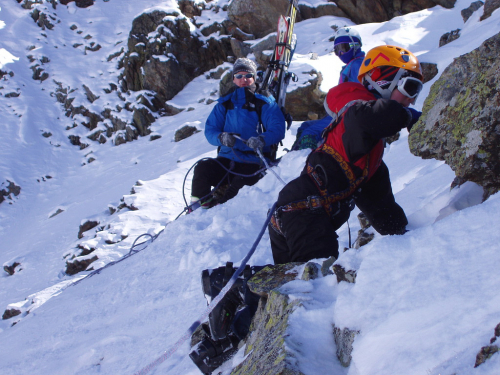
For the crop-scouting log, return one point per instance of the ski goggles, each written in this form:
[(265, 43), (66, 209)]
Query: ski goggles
[(341, 48), (410, 87), (240, 76)]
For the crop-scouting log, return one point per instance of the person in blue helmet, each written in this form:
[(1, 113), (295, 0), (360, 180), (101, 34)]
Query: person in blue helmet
[(347, 46), (242, 123)]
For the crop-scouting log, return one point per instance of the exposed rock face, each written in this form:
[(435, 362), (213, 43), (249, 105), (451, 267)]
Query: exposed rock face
[(344, 338), (265, 345), (466, 13), (163, 54), (12, 268), (429, 71), (449, 37), (88, 225), (247, 14), (366, 11), (266, 348), (8, 190), (461, 118), (307, 98), (330, 9), (185, 132), (489, 7), (79, 3), (487, 351), (257, 17)]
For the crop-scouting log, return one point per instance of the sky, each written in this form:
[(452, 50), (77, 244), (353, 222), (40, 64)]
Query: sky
[(424, 302)]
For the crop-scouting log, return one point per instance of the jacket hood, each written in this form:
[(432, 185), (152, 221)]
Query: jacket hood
[(344, 93)]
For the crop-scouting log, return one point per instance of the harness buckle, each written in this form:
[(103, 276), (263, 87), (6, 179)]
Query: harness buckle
[(314, 202)]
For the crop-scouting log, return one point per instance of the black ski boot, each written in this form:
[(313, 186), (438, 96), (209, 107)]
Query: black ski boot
[(229, 321)]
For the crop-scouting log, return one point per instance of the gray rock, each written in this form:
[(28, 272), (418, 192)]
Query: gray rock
[(460, 121), (185, 132), (466, 13), (489, 7), (344, 338), (266, 350), (449, 37)]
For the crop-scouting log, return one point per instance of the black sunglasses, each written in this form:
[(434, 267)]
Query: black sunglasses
[(240, 76)]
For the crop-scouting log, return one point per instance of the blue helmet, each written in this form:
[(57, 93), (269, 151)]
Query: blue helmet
[(347, 42)]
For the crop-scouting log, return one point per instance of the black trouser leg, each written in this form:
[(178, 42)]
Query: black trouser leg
[(243, 177), (207, 174), (377, 202), (307, 235)]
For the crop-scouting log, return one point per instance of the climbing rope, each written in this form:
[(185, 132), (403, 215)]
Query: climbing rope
[(212, 304), (134, 249)]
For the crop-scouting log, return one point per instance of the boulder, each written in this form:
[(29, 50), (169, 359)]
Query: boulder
[(185, 132), (9, 189), (367, 11), (266, 350), (164, 55), (466, 13), (344, 338), (306, 98), (489, 7), (429, 70), (460, 123), (449, 37), (78, 3), (257, 17), (487, 351), (88, 225)]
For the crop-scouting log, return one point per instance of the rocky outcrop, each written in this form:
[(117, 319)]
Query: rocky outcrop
[(257, 17), (266, 348), (164, 55), (467, 12), (13, 268), (246, 14), (489, 7), (78, 3), (307, 98), (185, 132), (487, 351), (366, 11), (460, 123), (449, 37), (8, 190)]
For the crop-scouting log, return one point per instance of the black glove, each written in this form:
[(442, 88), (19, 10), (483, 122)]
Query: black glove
[(257, 143), (415, 115), (227, 139)]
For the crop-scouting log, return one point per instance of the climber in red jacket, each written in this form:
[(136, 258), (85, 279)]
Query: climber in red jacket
[(348, 168)]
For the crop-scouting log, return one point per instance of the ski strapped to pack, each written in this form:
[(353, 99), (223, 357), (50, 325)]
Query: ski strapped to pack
[(277, 77)]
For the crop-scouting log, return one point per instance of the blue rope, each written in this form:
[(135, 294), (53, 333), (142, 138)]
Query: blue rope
[(133, 250), (212, 304)]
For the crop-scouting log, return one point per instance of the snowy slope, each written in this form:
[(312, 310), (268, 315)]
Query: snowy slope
[(424, 302)]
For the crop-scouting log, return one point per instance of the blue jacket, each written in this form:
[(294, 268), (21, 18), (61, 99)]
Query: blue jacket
[(349, 72), (309, 133), (233, 113)]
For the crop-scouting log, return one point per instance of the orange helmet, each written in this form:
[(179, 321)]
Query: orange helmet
[(384, 66)]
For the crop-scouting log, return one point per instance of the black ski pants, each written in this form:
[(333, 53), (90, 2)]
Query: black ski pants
[(310, 234), (209, 173)]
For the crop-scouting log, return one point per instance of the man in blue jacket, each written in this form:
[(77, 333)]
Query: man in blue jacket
[(246, 114)]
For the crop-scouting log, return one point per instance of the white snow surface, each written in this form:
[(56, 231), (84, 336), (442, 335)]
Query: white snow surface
[(424, 302)]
